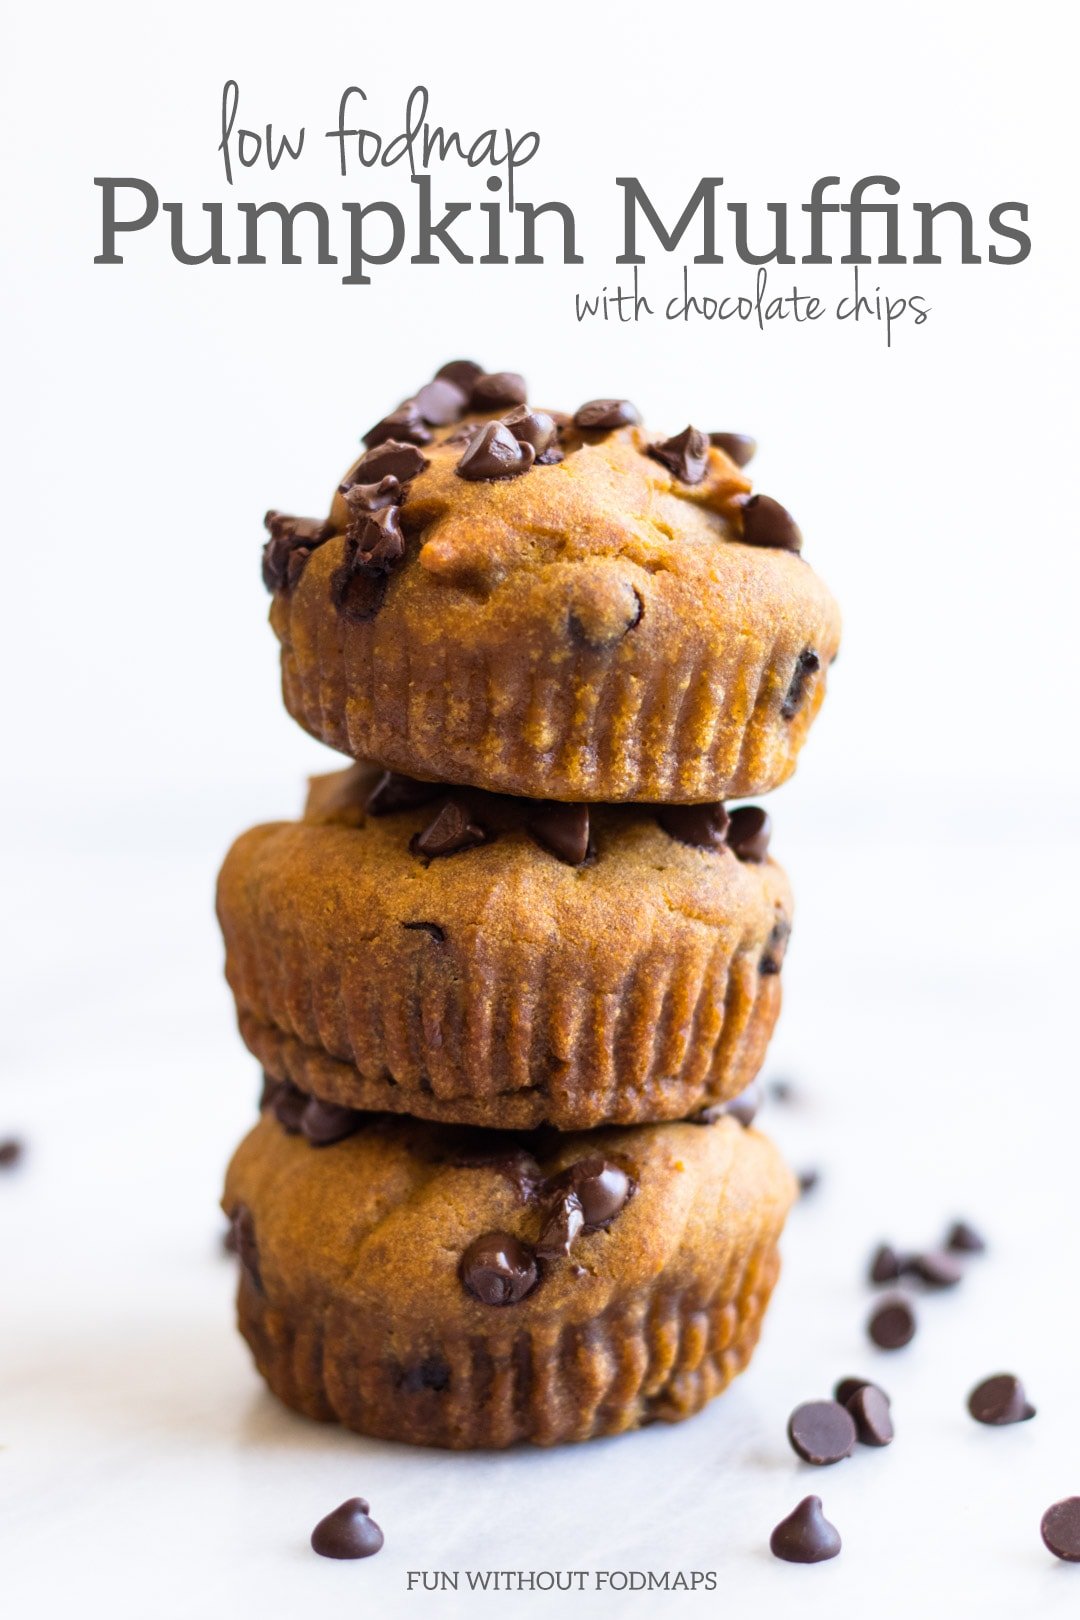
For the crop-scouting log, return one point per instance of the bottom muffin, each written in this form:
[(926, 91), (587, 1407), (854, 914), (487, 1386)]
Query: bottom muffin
[(465, 1288)]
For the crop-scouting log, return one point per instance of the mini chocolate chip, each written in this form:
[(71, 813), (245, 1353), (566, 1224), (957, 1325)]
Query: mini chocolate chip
[(561, 1227), (348, 1532), (886, 1264), (493, 389), (396, 792), (805, 1536), (441, 401), (291, 542), (686, 455), (357, 590), (845, 1388), (1000, 1400), (738, 447), (462, 372), (532, 427), (808, 1180), (936, 1269), (766, 523), (405, 426), (1060, 1529), (437, 934), (432, 1373), (324, 1123), (287, 1107), (497, 1269), (391, 459), (243, 1224), (822, 1432), (749, 833), (604, 414), (892, 1324), (494, 453), (964, 1239), (869, 1408), (561, 828), (11, 1151), (808, 663), (703, 826), (450, 830)]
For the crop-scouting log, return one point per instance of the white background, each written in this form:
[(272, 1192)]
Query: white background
[(152, 412)]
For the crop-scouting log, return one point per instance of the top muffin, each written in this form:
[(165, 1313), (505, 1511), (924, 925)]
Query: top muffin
[(551, 606)]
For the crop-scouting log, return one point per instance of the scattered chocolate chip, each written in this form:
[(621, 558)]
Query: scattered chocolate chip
[(686, 455), (808, 1180), (766, 523), (964, 1239), (935, 1269), (704, 826), (561, 1227), (1060, 1529), (494, 453), (783, 1091), (287, 1106), (450, 830), (847, 1387), (437, 934), (357, 589), (745, 1106), (324, 1123), (561, 828), (807, 664), (497, 1269), (431, 1373), (805, 1536), (406, 425), (604, 414), (1000, 1400), (892, 1324), (886, 1264), (396, 792), (391, 459), (441, 401), (348, 1532), (822, 1432), (749, 833), (462, 372), (738, 447), (772, 959), (869, 1408), (291, 542), (244, 1245), (493, 389), (536, 428), (11, 1151)]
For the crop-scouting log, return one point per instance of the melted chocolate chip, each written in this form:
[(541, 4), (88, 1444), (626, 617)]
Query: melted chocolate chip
[(391, 459), (1000, 1400), (361, 498), (892, 1324), (378, 538), (462, 372), (441, 401), (805, 1536), (291, 542), (324, 1123), (356, 589), (738, 447), (406, 425), (515, 1163), (431, 1373), (767, 523), (602, 1188), (686, 455), (493, 389), (561, 828), (749, 833), (348, 1532), (561, 1228), (494, 453), (603, 415), (243, 1225), (533, 427), (822, 1432), (808, 663), (395, 792), (449, 831), (704, 826), (497, 1269), (287, 1106), (432, 929)]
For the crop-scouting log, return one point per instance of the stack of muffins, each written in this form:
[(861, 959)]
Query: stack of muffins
[(510, 976)]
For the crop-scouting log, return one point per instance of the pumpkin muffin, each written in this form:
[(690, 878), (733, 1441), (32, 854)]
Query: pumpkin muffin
[(557, 607), (474, 958), (467, 1289)]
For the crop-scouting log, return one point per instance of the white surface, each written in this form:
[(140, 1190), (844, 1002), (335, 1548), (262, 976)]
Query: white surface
[(151, 413)]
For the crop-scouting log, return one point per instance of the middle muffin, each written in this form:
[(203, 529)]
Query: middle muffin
[(468, 957)]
